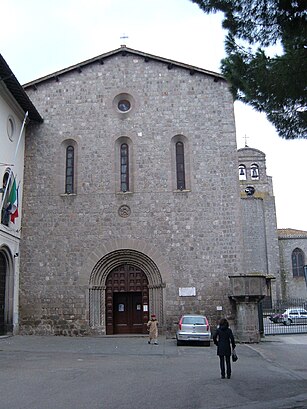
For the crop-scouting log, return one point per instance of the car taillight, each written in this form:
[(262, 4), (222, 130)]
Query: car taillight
[(180, 324)]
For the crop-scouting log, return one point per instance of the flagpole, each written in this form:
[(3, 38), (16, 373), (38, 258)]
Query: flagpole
[(13, 162)]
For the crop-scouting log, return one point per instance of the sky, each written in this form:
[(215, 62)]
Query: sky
[(39, 37)]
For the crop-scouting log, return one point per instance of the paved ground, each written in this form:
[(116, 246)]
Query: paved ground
[(127, 373)]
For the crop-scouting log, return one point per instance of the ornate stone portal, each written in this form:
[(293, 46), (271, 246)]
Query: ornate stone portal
[(97, 287)]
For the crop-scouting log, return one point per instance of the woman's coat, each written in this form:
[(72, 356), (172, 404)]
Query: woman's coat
[(222, 338), (152, 325)]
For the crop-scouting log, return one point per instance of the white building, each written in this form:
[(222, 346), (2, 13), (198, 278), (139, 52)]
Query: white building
[(14, 104)]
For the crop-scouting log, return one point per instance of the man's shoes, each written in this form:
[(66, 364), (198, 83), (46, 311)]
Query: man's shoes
[(149, 342), (223, 376), (228, 376)]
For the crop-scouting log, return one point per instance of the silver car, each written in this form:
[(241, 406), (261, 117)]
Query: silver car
[(192, 327), (294, 316)]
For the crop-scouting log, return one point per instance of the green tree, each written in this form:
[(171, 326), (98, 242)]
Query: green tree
[(275, 85)]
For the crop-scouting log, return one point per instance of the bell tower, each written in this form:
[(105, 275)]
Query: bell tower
[(259, 225)]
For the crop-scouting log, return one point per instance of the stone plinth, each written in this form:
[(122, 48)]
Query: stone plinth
[(247, 291)]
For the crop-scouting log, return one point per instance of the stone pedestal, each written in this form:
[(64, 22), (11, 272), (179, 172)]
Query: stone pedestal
[(247, 291)]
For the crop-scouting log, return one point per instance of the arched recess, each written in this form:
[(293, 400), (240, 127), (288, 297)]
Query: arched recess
[(186, 161), (6, 291), (62, 166), (124, 140), (298, 262), (97, 284)]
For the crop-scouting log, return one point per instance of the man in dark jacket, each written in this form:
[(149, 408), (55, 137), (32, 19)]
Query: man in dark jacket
[(222, 338)]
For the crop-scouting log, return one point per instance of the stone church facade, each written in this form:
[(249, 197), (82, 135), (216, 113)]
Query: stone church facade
[(130, 197), (136, 201)]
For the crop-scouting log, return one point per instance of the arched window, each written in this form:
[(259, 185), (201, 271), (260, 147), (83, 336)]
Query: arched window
[(298, 261), (69, 170), (242, 172), (254, 171), (180, 171), (124, 167)]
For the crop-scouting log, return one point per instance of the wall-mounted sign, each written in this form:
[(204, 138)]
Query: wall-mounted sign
[(187, 292), (121, 307), (145, 307), (219, 308)]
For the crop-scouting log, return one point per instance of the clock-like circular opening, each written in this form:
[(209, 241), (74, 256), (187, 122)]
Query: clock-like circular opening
[(124, 105)]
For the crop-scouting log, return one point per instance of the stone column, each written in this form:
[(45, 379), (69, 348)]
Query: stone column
[(247, 291)]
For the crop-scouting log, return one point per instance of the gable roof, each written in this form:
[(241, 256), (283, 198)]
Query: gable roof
[(252, 151), (292, 233), (16, 90), (123, 50)]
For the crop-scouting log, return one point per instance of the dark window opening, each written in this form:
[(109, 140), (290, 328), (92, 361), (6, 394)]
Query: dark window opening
[(124, 168), (124, 105), (180, 166), (298, 259), (69, 174)]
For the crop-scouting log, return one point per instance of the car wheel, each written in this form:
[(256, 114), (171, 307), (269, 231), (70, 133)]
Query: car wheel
[(288, 322), (179, 343), (206, 343)]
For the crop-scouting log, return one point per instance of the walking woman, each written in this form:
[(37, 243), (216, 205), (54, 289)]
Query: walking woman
[(152, 326), (222, 338)]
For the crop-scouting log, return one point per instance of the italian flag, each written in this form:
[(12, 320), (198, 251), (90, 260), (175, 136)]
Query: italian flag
[(13, 202)]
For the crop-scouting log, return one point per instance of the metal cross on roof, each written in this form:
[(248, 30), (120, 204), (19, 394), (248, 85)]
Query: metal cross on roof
[(245, 139), (124, 37)]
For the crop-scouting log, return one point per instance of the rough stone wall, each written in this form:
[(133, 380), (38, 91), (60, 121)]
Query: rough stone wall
[(255, 249), (197, 230)]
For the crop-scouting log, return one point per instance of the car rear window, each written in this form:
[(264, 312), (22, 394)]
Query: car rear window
[(194, 320)]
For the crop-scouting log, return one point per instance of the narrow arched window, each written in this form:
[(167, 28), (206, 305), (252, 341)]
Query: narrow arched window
[(298, 260), (124, 167), (180, 166), (242, 172), (69, 173)]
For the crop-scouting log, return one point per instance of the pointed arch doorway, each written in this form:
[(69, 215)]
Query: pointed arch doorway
[(126, 301)]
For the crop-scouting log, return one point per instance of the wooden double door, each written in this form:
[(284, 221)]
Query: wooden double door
[(127, 301)]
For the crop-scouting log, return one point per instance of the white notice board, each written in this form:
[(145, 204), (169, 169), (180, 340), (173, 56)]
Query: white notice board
[(187, 292)]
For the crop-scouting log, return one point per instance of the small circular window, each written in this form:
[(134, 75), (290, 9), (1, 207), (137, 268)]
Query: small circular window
[(124, 105), (10, 128)]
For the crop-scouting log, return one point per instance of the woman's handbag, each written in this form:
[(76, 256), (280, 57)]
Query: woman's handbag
[(234, 356)]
